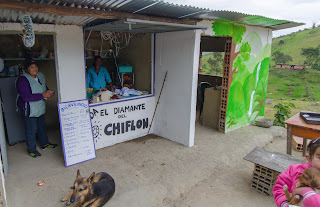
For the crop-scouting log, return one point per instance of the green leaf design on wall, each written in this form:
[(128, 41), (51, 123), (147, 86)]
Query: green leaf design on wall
[(245, 50), (248, 88), (261, 89), (247, 92), (229, 29), (236, 102)]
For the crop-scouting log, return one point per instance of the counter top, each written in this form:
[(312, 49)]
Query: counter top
[(128, 98)]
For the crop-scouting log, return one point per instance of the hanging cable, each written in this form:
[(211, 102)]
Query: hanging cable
[(101, 47), (117, 39), (88, 38), (117, 68)]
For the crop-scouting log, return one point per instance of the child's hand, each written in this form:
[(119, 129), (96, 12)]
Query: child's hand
[(297, 191)]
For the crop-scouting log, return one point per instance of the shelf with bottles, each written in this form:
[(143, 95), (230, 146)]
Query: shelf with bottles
[(127, 80), (20, 54)]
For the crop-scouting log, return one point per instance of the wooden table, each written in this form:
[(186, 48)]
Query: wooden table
[(297, 126)]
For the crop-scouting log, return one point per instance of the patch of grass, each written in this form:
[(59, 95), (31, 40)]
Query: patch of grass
[(292, 84), (282, 81), (300, 106)]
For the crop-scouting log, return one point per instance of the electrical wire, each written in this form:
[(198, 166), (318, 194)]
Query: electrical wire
[(88, 38), (117, 68), (117, 39)]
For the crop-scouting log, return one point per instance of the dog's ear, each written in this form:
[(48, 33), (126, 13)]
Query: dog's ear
[(90, 179), (78, 174)]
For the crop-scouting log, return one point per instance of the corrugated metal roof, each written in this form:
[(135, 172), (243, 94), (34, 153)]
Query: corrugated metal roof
[(254, 20), (42, 18), (143, 7), (142, 26)]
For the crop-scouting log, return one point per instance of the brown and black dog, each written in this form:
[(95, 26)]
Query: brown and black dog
[(94, 191), (309, 178)]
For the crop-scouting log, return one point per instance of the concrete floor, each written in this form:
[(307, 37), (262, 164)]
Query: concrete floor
[(155, 174)]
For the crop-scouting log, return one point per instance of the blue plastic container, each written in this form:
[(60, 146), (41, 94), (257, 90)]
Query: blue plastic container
[(89, 94), (125, 69)]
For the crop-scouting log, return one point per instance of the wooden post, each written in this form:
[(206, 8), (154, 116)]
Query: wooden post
[(304, 152), (289, 139)]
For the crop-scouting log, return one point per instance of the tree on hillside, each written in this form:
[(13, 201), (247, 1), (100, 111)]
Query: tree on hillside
[(216, 64), (281, 42), (277, 56), (281, 58), (312, 56)]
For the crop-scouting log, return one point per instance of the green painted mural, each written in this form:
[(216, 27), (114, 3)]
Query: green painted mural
[(250, 69)]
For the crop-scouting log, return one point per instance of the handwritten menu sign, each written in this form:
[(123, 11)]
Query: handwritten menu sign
[(76, 132)]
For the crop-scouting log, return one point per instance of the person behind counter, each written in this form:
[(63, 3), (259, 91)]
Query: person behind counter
[(32, 92), (98, 76)]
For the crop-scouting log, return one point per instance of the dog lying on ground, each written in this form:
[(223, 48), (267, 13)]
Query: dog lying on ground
[(94, 191), (309, 178)]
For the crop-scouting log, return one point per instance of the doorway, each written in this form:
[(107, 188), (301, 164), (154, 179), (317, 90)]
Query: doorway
[(212, 75), (13, 53)]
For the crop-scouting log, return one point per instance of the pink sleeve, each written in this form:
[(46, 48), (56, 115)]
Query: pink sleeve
[(284, 178), (310, 198)]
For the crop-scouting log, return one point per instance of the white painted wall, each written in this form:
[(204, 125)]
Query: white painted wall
[(265, 37), (69, 57), (70, 65), (3, 159), (177, 53), (208, 24)]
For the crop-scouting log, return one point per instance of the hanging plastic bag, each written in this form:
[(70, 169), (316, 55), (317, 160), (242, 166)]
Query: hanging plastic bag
[(27, 30)]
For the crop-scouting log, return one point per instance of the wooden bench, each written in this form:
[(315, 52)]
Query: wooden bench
[(268, 166)]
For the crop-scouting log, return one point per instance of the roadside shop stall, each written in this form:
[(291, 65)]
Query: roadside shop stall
[(156, 42), (152, 51), (131, 49)]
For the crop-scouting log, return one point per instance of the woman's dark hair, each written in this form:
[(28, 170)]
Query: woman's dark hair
[(97, 57), (27, 62), (313, 146)]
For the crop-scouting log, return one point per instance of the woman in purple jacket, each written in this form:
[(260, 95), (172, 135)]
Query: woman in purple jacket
[(32, 92)]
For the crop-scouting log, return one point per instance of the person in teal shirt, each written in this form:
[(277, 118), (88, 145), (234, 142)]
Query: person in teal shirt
[(98, 76)]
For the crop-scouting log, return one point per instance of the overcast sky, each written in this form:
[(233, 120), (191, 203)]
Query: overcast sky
[(305, 11)]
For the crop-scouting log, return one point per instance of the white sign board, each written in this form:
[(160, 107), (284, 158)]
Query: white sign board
[(117, 122), (76, 133)]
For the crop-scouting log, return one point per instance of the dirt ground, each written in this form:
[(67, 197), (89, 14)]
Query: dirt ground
[(159, 173)]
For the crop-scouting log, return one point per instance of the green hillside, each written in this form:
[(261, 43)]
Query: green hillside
[(294, 42), (291, 86), (294, 84)]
